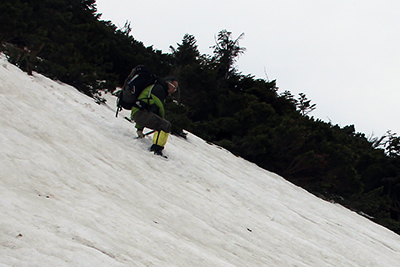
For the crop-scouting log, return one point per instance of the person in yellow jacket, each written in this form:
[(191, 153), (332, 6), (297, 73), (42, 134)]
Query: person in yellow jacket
[(153, 114)]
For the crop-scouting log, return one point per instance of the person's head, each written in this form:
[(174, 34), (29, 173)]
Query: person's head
[(172, 84)]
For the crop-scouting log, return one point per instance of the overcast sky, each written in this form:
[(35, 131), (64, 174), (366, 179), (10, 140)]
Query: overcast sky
[(344, 55)]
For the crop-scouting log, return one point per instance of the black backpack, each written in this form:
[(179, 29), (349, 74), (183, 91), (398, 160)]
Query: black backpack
[(137, 81)]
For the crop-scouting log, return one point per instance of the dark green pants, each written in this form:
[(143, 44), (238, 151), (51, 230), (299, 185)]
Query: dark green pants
[(143, 118)]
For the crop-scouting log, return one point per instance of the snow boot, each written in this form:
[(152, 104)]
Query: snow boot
[(157, 149)]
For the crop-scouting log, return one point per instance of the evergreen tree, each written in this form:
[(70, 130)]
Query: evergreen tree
[(186, 53), (226, 51), (304, 105)]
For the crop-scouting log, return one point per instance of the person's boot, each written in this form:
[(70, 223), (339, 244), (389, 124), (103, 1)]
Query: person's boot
[(157, 150)]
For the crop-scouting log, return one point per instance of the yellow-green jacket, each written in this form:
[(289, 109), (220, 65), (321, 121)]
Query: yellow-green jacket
[(153, 97)]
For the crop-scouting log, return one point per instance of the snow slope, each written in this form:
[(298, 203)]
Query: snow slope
[(78, 190)]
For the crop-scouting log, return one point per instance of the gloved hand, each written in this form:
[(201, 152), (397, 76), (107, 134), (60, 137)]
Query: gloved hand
[(140, 134)]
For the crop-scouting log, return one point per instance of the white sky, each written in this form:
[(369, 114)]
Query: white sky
[(78, 190), (344, 55)]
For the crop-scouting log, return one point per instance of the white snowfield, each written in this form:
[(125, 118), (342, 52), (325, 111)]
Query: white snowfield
[(78, 190)]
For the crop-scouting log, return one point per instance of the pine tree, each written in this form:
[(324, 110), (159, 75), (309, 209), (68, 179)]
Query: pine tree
[(226, 52)]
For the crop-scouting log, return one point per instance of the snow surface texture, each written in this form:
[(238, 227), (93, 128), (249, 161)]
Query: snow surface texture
[(78, 190)]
